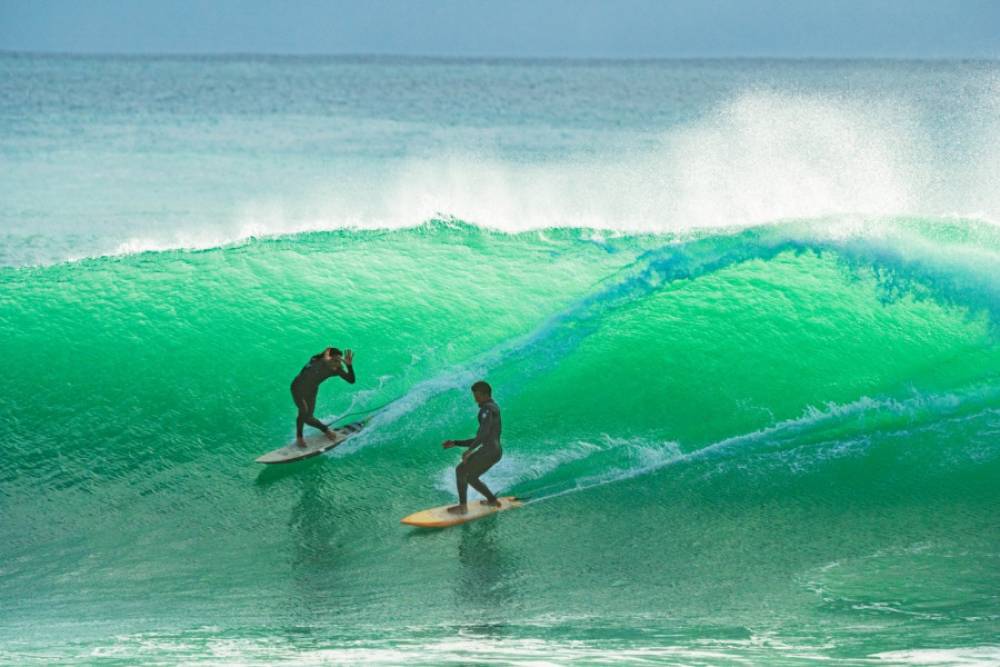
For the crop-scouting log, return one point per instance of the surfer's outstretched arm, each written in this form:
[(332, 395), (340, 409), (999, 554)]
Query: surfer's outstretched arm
[(489, 429)]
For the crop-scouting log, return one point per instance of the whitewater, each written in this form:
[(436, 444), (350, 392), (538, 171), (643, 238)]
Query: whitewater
[(741, 317)]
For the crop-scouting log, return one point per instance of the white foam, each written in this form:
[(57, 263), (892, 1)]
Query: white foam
[(973, 655), (762, 157)]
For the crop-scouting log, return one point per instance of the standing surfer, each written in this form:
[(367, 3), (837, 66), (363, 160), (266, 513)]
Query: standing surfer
[(484, 450), (305, 386)]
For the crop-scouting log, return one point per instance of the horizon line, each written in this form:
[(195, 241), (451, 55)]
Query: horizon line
[(480, 57)]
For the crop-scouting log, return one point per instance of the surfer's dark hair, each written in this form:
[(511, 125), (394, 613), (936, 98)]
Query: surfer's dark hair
[(335, 351), (482, 388)]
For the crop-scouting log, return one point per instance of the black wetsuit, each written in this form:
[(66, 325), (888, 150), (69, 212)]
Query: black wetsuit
[(485, 452), (306, 385)]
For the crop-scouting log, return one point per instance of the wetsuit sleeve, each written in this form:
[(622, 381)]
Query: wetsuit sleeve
[(349, 375), (487, 432)]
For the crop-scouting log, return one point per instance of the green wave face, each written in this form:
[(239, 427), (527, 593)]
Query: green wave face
[(738, 446)]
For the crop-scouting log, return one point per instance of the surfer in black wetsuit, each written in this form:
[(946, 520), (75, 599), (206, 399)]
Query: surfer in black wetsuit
[(326, 364), (484, 450)]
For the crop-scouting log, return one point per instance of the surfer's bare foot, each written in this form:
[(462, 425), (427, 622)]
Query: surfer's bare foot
[(458, 509), (491, 503), (301, 442), (330, 435)]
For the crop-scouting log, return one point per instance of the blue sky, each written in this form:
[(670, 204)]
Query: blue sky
[(519, 28)]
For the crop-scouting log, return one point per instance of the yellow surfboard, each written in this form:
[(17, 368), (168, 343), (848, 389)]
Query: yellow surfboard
[(440, 517)]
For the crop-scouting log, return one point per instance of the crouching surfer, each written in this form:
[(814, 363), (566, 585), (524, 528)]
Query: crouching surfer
[(305, 386), (483, 450)]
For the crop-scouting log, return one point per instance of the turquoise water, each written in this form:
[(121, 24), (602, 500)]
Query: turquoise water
[(741, 317)]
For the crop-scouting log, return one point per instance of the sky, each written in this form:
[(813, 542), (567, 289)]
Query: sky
[(514, 28)]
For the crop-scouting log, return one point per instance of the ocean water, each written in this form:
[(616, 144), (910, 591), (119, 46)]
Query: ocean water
[(742, 319)]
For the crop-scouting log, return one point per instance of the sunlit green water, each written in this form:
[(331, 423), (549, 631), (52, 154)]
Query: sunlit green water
[(748, 444)]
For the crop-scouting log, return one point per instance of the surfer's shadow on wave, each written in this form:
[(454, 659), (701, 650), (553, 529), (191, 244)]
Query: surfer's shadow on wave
[(315, 519), (273, 475), (487, 579)]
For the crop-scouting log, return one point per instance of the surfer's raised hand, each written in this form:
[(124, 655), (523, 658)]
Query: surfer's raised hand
[(448, 444), (349, 357)]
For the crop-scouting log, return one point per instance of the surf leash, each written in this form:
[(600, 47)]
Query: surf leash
[(366, 412)]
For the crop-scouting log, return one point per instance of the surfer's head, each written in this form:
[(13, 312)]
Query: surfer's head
[(333, 356), (482, 391)]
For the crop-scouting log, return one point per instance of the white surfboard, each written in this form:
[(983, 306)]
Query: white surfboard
[(316, 443), (440, 517)]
